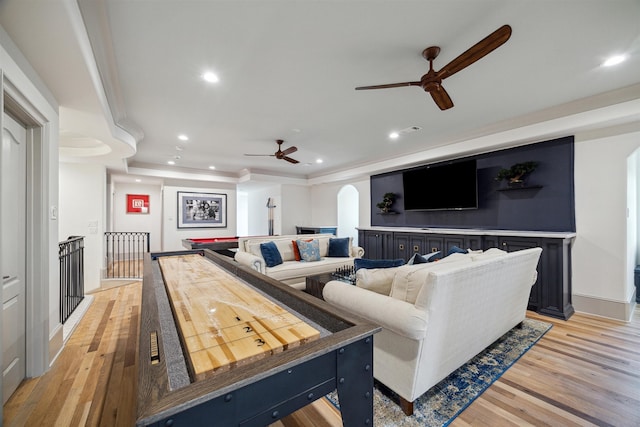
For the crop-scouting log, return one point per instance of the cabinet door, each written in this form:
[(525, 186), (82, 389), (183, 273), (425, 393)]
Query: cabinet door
[(401, 246), (489, 242), (453, 240), (376, 244), (407, 244), (434, 244), (473, 242), (417, 244), (511, 244)]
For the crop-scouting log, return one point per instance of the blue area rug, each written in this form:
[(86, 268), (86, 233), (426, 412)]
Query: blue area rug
[(447, 399)]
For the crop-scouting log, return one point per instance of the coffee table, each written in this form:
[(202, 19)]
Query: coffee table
[(315, 284)]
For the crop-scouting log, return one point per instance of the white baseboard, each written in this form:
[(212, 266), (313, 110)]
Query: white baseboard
[(56, 343), (61, 333), (619, 310)]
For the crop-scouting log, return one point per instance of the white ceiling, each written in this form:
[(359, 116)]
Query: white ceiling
[(127, 77)]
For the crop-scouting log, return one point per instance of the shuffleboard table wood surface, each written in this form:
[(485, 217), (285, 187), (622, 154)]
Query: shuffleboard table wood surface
[(222, 321), (258, 390)]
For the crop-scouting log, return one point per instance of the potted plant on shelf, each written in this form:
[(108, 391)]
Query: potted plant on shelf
[(516, 174), (387, 201)]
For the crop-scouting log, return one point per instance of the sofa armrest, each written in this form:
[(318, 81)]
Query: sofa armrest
[(393, 314), (251, 260), (357, 251)]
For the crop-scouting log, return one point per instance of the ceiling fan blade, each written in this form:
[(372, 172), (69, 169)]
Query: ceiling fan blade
[(476, 52), (389, 85), (290, 160), (289, 150), (441, 98), (261, 155)]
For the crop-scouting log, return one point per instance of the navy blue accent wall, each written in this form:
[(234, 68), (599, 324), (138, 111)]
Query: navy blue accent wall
[(549, 206)]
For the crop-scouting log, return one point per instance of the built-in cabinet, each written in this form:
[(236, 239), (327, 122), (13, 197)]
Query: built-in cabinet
[(550, 295)]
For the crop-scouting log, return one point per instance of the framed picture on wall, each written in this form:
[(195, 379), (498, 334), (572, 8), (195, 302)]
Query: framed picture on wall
[(202, 210), (137, 203)]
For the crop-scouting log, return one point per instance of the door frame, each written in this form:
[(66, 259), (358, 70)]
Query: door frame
[(37, 228)]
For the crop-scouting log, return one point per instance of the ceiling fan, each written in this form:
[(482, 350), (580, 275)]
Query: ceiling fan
[(432, 81), (281, 154)]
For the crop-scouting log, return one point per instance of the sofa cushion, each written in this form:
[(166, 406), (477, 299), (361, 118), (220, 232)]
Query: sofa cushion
[(339, 247), (359, 263), (271, 254), (293, 272), (309, 251), (377, 280), (409, 279)]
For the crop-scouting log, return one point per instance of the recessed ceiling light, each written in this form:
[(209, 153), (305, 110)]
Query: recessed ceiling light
[(210, 77), (171, 162), (319, 160), (614, 60), (394, 135), (138, 180), (183, 137), (212, 167)]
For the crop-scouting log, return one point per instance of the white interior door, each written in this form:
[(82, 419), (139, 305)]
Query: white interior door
[(13, 205)]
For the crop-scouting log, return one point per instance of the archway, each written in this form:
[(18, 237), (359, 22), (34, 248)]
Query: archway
[(348, 212)]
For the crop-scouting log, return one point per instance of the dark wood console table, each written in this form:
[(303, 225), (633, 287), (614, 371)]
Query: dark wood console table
[(550, 295)]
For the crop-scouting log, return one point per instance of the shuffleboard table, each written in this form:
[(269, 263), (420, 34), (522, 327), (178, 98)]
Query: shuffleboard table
[(222, 345)]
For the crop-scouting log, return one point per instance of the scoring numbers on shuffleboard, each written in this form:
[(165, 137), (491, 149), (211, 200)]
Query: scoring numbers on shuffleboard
[(223, 321)]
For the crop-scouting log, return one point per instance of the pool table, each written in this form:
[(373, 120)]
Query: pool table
[(213, 243)]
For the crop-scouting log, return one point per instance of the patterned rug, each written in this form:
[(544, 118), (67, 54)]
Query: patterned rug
[(447, 399)]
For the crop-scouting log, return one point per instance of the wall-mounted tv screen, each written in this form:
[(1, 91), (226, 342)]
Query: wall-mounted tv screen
[(444, 186)]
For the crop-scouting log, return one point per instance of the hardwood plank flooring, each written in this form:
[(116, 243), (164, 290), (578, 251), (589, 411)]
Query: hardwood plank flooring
[(585, 371)]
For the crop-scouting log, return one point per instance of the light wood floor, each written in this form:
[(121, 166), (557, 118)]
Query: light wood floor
[(585, 371)]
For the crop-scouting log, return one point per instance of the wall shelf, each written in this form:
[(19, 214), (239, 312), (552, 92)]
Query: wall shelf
[(526, 187)]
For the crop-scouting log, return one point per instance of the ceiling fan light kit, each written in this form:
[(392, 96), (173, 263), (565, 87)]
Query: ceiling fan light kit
[(432, 81)]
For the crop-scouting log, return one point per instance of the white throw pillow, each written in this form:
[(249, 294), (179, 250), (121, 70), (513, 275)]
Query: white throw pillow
[(488, 254), (409, 279), (377, 280)]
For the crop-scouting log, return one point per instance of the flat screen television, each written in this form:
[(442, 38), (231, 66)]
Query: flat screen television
[(444, 186)]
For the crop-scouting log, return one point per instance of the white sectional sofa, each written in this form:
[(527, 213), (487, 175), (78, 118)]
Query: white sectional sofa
[(437, 316), (293, 272)]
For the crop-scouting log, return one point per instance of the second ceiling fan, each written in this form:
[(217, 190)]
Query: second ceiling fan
[(432, 81), (280, 154)]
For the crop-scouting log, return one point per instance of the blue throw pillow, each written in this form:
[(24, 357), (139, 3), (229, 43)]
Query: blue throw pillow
[(359, 263), (338, 247), (456, 250), (271, 254), (434, 256), (309, 251), (419, 259)]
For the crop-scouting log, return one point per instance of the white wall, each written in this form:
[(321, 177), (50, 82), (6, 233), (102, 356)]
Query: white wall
[(82, 212), (605, 243), (151, 222), (43, 294), (258, 215), (324, 202), (172, 236), (296, 207), (242, 213)]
